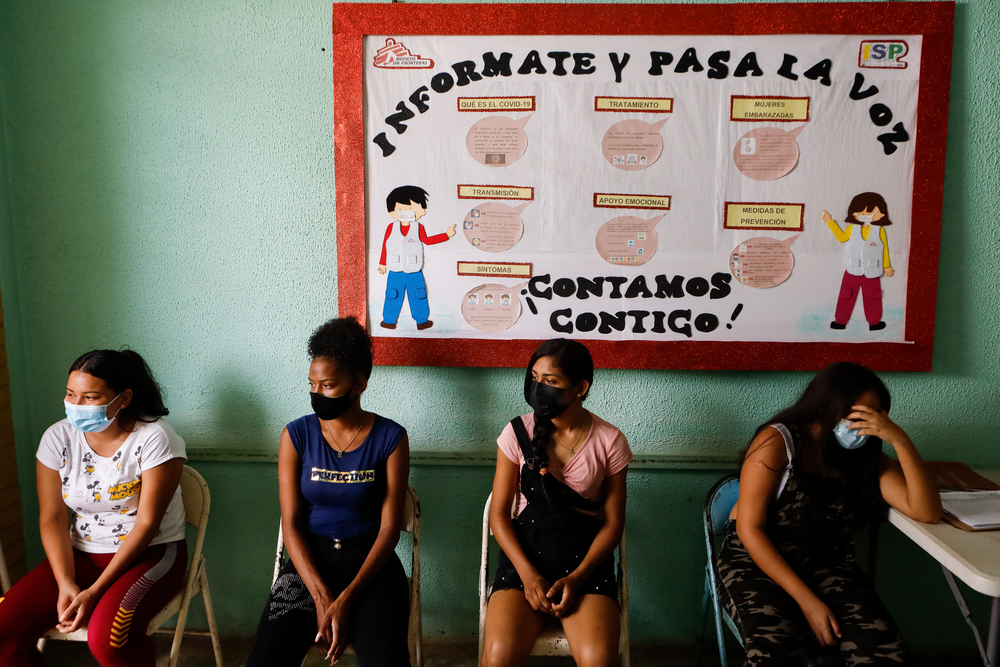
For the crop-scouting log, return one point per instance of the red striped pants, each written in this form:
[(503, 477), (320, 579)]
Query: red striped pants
[(117, 626)]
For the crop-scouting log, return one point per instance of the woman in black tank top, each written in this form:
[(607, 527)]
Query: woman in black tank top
[(811, 477)]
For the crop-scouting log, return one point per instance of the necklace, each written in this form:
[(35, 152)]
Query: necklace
[(572, 450), (336, 445)]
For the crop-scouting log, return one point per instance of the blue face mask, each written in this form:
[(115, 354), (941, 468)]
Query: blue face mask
[(89, 418), (847, 437)]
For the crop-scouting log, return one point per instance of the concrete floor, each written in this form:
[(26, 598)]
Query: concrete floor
[(197, 652)]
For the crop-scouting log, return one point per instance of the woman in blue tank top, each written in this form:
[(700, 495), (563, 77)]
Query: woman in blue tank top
[(342, 475)]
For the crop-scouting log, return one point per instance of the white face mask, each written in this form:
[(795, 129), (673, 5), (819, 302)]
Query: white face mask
[(407, 216), (865, 219)]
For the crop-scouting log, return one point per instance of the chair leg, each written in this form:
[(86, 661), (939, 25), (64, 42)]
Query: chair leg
[(175, 646), (419, 631), (700, 641), (210, 613)]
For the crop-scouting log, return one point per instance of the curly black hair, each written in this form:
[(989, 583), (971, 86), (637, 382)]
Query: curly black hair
[(346, 342)]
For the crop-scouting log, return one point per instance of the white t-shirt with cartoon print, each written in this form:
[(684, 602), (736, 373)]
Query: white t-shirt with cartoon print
[(103, 492)]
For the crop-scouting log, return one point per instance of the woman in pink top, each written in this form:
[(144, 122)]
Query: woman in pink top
[(557, 555)]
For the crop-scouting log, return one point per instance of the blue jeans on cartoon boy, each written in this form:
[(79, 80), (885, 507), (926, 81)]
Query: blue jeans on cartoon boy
[(399, 285)]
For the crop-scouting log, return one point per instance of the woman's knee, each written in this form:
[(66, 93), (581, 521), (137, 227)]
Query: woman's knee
[(500, 653), (596, 654)]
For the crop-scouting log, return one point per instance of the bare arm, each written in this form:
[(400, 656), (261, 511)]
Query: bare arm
[(604, 544), (293, 529), (53, 522), (158, 487), (905, 483), (759, 479), (504, 490), (397, 475)]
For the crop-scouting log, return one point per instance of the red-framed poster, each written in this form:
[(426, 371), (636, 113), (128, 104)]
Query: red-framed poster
[(678, 186)]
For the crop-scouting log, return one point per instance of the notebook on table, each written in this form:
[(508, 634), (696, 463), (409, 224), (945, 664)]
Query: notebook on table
[(970, 501)]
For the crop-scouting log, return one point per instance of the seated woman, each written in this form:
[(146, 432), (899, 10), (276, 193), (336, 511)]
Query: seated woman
[(342, 475), (811, 477), (117, 465), (557, 555)]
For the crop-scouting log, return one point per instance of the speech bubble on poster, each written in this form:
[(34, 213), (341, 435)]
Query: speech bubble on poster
[(627, 240), (762, 262), (492, 307), (767, 153), (632, 145), (494, 227), (497, 141)]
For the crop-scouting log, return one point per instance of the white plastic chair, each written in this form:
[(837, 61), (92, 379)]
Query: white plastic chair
[(411, 524), (551, 640), (197, 500)]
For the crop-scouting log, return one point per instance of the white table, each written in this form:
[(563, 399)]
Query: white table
[(972, 557)]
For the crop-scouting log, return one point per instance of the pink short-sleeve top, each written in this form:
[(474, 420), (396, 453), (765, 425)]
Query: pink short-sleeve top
[(604, 452)]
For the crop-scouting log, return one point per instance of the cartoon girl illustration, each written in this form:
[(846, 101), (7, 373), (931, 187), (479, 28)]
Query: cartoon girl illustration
[(866, 258)]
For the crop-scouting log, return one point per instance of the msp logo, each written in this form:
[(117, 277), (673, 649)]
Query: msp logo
[(394, 55), (883, 54)]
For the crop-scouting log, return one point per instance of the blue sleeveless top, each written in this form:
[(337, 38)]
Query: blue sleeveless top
[(344, 495)]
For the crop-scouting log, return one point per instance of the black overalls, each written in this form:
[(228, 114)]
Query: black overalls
[(555, 536)]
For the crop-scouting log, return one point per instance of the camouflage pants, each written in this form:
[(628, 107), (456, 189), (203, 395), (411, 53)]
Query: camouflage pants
[(774, 630)]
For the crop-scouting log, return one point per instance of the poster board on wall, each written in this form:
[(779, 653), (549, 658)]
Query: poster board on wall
[(678, 186)]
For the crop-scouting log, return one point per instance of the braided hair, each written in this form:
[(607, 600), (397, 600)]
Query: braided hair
[(574, 360), (126, 369)]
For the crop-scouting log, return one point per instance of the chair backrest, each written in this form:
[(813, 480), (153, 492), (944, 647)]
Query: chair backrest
[(719, 504), (194, 491), (411, 511)]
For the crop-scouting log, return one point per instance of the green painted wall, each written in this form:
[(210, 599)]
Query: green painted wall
[(166, 181)]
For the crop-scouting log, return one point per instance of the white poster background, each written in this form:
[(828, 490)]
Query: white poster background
[(839, 157)]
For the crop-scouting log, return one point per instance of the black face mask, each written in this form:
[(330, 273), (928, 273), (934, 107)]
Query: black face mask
[(545, 400), (330, 407)]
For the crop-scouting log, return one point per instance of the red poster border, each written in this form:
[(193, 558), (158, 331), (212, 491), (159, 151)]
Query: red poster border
[(933, 20)]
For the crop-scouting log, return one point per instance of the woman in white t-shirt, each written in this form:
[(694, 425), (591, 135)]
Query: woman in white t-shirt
[(557, 555), (116, 466)]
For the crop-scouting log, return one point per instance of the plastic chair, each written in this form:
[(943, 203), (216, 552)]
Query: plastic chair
[(551, 640), (411, 524), (718, 505), (194, 492)]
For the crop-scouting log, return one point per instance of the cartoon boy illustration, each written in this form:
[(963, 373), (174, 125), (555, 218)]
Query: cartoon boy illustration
[(403, 256), (866, 257)]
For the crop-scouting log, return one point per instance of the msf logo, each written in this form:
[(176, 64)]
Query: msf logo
[(887, 54)]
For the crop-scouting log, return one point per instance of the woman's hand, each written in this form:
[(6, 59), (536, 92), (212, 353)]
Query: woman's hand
[(67, 593), (337, 615), (822, 622), (536, 589), (77, 611), (322, 602), (567, 585), (868, 421)]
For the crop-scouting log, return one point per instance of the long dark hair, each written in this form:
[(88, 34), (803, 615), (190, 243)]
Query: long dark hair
[(126, 370), (574, 360), (826, 401)]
